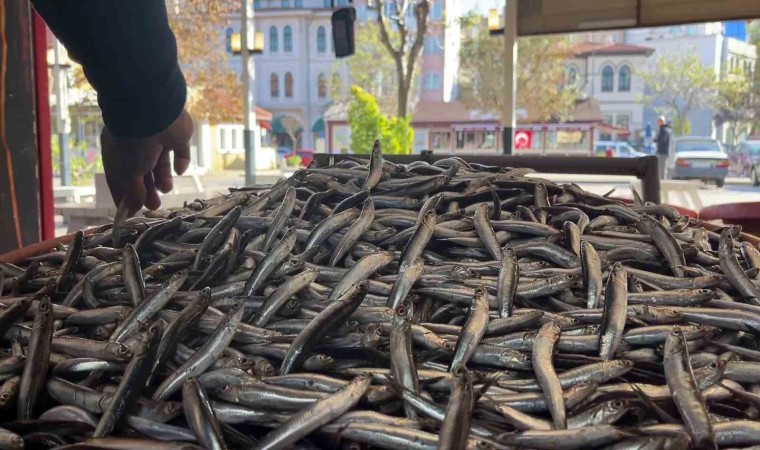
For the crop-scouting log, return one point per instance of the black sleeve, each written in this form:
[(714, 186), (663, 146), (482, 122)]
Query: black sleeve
[(129, 55)]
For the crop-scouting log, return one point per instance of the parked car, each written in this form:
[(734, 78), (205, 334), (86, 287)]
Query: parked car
[(618, 149), (747, 156), (306, 154), (693, 157)]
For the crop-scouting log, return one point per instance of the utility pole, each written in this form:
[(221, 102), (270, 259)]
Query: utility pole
[(510, 80), (250, 135), (62, 123)]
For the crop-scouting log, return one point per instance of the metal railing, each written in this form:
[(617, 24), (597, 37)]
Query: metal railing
[(644, 168)]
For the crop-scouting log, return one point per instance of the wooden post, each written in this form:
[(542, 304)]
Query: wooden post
[(19, 206)]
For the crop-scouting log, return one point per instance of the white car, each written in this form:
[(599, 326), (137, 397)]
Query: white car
[(694, 157)]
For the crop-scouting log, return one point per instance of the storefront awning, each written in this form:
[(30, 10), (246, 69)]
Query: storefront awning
[(318, 127)]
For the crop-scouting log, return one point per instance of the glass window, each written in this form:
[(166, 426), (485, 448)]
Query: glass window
[(342, 3), (222, 139), (288, 85), (431, 46), (469, 138), (440, 139), (623, 121), (273, 44), (697, 145), (321, 86), (327, 4), (287, 39), (234, 136), (437, 12), (624, 79), (256, 4), (460, 139), (608, 119), (274, 85), (572, 76), (298, 3), (537, 142), (431, 81), (321, 40), (608, 78), (489, 140), (285, 3)]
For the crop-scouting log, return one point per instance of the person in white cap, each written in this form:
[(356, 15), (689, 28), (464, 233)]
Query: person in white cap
[(663, 143)]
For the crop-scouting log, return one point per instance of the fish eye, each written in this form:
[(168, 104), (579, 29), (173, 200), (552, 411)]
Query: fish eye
[(617, 404)]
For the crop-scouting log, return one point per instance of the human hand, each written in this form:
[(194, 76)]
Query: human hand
[(137, 168)]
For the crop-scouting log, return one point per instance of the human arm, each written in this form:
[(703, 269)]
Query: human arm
[(129, 55)]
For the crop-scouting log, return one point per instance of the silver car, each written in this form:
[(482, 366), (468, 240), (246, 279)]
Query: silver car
[(692, 157)]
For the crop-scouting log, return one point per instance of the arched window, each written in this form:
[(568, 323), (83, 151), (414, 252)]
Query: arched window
[(572, 76), (624, 79), (608, 78), (287, 39), (288, 85), (273, 45), (321, 40), (274, 85), (321, 86)]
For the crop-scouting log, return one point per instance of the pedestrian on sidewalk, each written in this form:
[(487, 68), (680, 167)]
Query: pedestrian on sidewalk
[(663, 144)]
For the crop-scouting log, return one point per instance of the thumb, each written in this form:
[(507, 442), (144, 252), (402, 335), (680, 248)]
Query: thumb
[(181, 157)]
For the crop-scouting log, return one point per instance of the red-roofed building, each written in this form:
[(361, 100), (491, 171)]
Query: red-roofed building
[(452, 128)]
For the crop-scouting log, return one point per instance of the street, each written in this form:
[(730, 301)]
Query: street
[(736, 190)]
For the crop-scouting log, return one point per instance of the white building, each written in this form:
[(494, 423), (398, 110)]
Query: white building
[(609, 74), (297, 70), (715, 50)]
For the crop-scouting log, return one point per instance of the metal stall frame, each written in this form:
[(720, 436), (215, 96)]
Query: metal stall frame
[(644, 168)]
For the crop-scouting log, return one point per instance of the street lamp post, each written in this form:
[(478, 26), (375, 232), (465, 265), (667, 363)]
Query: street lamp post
[(250, 138), (62, 123)]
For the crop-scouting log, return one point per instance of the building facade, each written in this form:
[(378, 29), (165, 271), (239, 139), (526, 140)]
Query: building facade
[(724, 54), (608, 73), (297, 71)]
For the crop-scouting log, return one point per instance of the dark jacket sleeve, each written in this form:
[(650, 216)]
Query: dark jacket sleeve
[(129, 55)]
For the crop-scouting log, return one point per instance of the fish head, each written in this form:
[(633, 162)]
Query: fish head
[(319, 362)]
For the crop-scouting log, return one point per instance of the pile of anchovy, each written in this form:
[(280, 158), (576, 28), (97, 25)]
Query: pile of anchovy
[(377, 305)]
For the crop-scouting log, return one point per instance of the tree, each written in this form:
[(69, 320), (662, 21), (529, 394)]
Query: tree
[(368, 124), (381, 81), (215, 92), (682, 83), (403, 41), (736, 103), (292, 127), (540, 75)]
